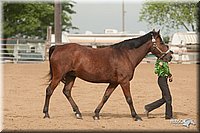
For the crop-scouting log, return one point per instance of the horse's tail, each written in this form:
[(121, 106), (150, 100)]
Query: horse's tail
[(51, 49)]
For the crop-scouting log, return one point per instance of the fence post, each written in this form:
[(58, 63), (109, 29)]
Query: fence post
[(16, 52), (180, 54), (48, 43)]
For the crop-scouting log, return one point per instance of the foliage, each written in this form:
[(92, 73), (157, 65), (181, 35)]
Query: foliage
[(32, 19), (170, 15), (198, 16)]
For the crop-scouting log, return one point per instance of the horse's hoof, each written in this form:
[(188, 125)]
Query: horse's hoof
[(46, 116), (138, 119), (96, 117), (78, 116)]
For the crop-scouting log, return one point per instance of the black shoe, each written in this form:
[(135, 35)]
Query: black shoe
[(146, 111), (167, 117)]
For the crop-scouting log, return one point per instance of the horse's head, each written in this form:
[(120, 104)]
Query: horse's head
[(158, 48), (168, 56)]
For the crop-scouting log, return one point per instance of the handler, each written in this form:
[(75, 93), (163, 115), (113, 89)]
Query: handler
[(163, 72)]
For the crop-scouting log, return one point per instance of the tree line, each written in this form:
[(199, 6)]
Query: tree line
[(32, 19), (171, 15)]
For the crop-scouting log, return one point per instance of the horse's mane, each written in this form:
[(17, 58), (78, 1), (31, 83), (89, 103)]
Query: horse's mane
[(134, 42)]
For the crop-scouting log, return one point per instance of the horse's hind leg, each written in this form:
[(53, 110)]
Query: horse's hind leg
[(69, 82), (49, 92), (107, 94)]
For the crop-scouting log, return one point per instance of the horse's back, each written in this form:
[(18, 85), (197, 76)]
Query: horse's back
[(64, 50), (74, 49)]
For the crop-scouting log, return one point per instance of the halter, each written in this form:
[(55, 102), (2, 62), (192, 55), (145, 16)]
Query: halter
[(156, 47)]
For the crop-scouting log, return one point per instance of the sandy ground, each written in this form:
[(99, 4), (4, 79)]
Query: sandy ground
[(24, 92)]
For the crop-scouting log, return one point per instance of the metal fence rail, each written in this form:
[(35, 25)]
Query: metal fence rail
[(16, 53)]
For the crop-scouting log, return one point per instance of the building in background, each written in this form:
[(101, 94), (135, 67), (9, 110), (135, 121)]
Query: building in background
[(185, 46)]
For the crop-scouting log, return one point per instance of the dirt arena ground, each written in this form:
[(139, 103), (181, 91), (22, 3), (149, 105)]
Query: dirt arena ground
[(24, 92)]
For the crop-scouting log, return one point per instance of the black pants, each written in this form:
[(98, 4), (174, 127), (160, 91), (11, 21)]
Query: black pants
[(166, 98)]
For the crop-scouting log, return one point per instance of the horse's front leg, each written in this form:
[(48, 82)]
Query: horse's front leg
[(127, 94), (107, 94)]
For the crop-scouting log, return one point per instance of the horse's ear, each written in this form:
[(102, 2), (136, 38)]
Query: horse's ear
[(159, 31), (154, 30)]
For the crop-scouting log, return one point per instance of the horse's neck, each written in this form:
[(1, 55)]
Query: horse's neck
[(138, 54)]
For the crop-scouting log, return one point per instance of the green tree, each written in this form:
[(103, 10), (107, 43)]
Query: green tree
[(32, 19), (198, 16), (170, 15)]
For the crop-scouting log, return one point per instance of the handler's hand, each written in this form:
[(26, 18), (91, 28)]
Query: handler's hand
[(170, 79)]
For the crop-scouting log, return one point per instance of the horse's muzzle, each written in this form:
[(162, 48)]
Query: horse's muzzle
[(170, 58)]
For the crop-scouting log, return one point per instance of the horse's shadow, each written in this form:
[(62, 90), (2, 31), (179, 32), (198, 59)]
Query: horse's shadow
[(127, 115)]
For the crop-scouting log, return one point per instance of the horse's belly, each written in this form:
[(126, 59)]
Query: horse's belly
[(95, 80), (94, 77)]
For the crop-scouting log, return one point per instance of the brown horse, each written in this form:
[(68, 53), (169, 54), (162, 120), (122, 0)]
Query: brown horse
[(114, 65)]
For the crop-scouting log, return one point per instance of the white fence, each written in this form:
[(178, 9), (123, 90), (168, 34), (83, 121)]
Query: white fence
[(18, 53), (185, 54)]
